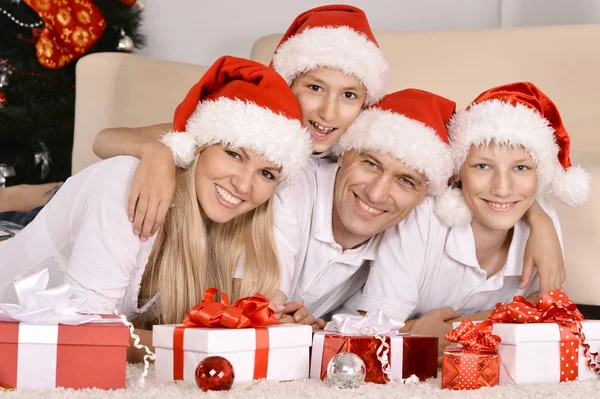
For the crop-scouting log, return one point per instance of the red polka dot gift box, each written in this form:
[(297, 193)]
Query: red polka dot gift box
[(475, 363)]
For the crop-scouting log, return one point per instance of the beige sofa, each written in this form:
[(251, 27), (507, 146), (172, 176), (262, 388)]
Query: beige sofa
[(126, 90)]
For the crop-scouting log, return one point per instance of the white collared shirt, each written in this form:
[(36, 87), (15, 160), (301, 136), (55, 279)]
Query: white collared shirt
[(422, 265), (83, 237), (313, 266)]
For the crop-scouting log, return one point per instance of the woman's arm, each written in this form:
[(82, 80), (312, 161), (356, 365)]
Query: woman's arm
[(116, 141), (153, 185)]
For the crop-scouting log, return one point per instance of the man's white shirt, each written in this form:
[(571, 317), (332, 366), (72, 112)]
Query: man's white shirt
[(422, 265), (313, 266)]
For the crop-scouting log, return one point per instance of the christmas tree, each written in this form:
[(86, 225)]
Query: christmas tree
[(40, 43)]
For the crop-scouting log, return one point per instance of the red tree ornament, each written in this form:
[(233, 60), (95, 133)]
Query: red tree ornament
[(71, 28), (214, 373)]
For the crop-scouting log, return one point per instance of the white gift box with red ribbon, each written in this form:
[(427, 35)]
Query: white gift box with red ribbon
[(276, 352), (530, 353)]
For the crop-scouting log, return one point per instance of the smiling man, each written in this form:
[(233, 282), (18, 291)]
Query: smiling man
[(328, 224)]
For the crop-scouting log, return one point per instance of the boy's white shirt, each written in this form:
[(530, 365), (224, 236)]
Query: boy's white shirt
[(313, 266), (422, 265)]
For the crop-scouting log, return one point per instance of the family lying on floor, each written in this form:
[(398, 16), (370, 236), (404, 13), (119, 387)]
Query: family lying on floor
[(302, 181)]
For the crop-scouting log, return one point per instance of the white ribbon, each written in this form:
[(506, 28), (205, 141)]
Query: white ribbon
[(373, 324), (40, 305)]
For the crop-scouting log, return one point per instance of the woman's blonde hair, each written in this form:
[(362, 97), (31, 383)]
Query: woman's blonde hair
[(191, 253)]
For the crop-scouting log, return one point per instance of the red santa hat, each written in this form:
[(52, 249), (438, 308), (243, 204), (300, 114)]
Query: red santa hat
[(409, 125), (243, 104), (515, 114), (337, 37)]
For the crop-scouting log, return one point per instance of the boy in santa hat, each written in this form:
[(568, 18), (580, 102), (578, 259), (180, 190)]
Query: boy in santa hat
[(509, 148)]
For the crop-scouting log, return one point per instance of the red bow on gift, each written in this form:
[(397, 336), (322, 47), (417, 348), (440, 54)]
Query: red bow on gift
[(474, 336), (215, 311), (553, 307)]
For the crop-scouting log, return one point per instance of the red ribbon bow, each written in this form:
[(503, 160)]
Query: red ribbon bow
[(474, 336), (215, 311), (553, 307)]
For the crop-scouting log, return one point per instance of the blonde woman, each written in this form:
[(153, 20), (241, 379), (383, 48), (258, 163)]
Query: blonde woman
[(239, 136)]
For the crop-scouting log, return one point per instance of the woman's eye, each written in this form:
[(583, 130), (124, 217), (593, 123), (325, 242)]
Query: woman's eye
[(233, 154), (522, 168), (267, 174), (315, 88), (481, 166), (349, 95)]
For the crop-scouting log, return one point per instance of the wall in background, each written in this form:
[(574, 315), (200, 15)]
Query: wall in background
[(200, 31)]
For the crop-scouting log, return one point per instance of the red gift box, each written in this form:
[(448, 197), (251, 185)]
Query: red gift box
[(408, 354), (477, 363), (69, 356)]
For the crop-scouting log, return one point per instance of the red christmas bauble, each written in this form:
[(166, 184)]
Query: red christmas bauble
[(214, 373)]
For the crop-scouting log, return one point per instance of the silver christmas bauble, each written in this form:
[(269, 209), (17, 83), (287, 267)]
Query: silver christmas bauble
[(346, 370), (140, 6), (125, 44)]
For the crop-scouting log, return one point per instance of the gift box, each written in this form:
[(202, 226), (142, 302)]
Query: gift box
[(475, 363), (548, 342), (275, 352), (71, 356), (408, 354), (531, 353)]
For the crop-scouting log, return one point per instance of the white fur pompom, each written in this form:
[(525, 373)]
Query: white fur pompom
[(572, 186), (183, 146), (451, 208)]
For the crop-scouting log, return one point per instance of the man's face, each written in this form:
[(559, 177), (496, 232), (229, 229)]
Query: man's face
[(373, 191)]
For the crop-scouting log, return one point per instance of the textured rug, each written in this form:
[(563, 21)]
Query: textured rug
[(315, 389)]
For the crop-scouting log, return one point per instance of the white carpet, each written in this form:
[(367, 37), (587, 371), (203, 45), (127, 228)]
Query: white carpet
[(316, 389)]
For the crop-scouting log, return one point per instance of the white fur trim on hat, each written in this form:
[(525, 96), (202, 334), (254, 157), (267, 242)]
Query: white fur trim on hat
[(340, 48), (451, 209), (504, 123), (246, 125), (418, 146)]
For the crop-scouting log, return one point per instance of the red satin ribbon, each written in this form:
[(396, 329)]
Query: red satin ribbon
[(553, 307), (474, 336), (215, 312)]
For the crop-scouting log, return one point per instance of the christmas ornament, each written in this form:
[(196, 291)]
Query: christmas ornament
[(140, 6), (4, 77), (125, 43), (346, 370), (214, 373), (128, 3), (71, 28)]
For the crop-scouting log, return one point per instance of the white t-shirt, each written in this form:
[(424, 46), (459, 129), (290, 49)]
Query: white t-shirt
[(83, 237), (313, 266), (422, 265)]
